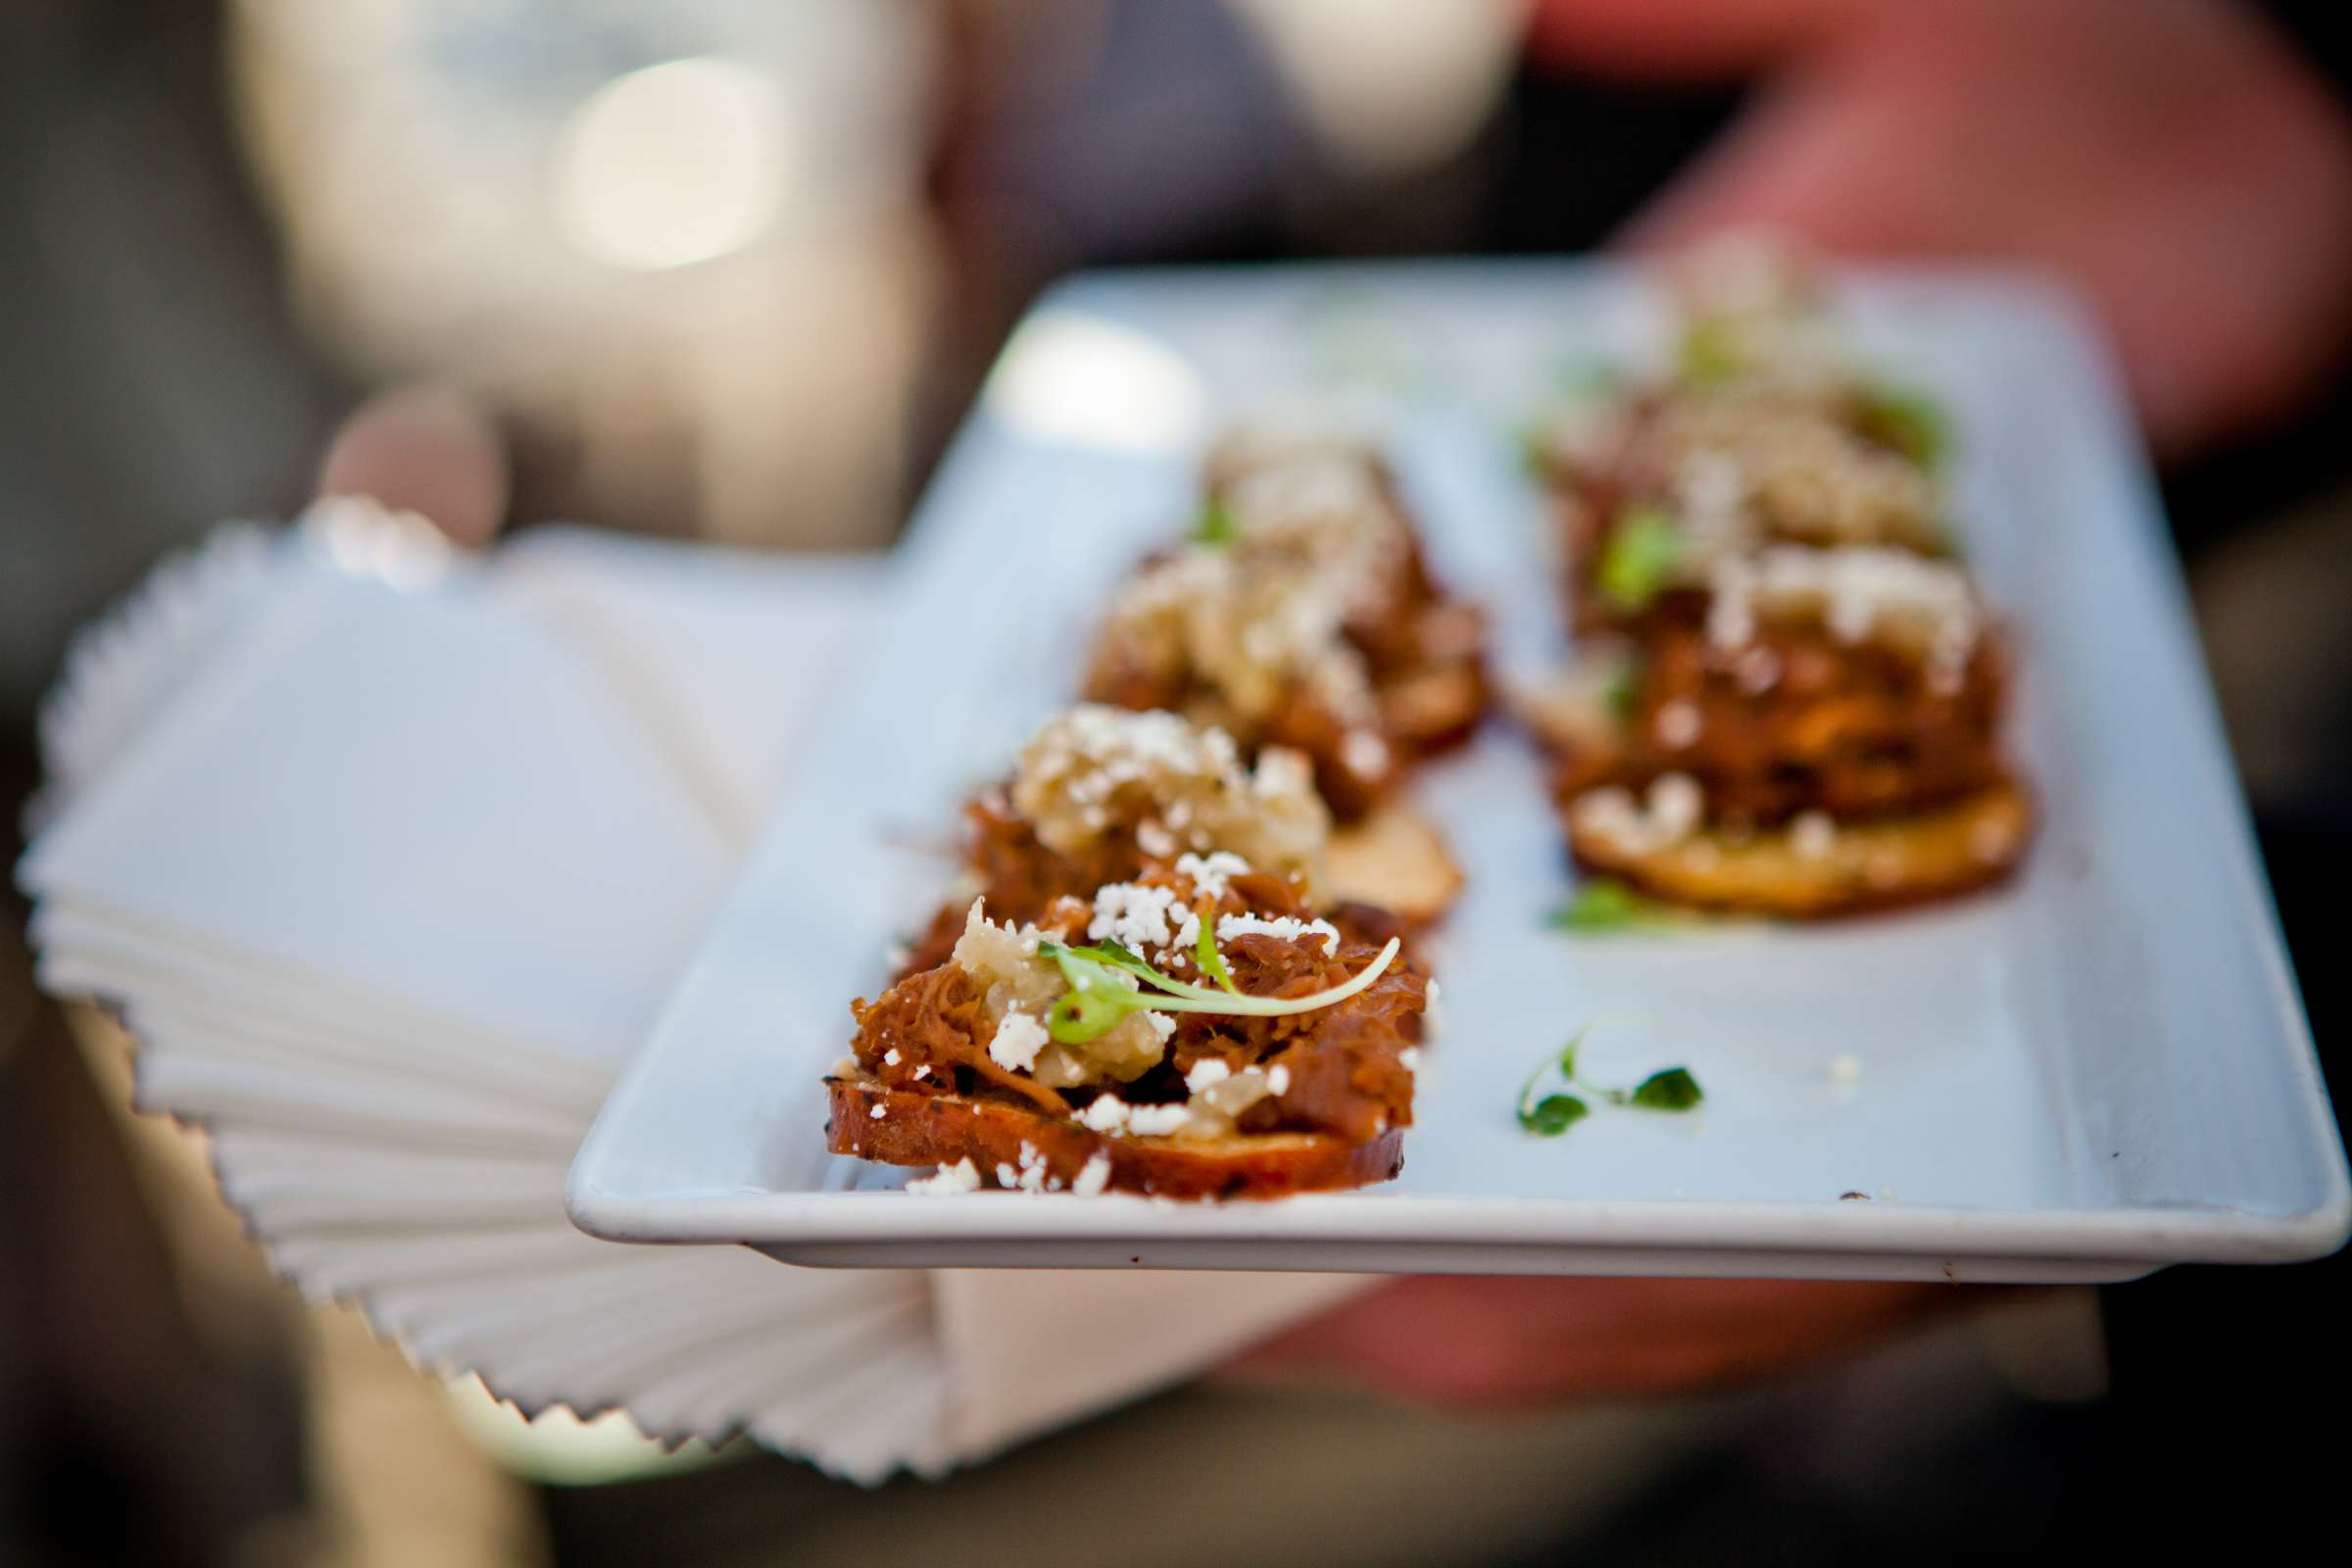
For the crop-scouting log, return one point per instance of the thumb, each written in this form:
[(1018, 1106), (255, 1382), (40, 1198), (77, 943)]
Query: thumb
[(427, 450)]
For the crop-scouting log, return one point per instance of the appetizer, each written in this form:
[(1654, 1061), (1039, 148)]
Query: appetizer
[(1762, 434), (1302, 614), (1100, 794), (1792, 691), (1827, 741), (1197, 1032)]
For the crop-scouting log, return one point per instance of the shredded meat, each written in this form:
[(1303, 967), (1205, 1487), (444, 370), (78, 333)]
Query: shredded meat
[(1343, 1067), (1421, 654), (1846, 729)]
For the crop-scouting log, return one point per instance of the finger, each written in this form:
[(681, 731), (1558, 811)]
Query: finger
[(1698, 40), (1481, 1341), (426, 450)]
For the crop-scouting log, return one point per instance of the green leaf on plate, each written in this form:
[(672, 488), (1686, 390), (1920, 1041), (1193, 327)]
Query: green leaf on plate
[(1553, 1115), (1672, 1089)]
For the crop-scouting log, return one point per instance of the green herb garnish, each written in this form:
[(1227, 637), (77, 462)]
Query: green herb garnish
[(1211, 961), (1708, 354), (1216, 527), (1622, 687), (1912, 421), (1670, 1089), (1553, 1114), (1107, 983), (1600, 903), (1638, 558)]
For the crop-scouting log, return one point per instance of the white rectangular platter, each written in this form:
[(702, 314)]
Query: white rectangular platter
[(2102, 1069)]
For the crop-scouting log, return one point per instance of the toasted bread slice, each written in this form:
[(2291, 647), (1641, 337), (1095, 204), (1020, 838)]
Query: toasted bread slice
[(901, 1127), (1393, 857), (1878, 863)]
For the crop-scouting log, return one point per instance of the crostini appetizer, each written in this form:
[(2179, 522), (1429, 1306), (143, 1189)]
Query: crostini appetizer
[(1789, 694), (1197, 1032), (1100, 794), (1300, 614)]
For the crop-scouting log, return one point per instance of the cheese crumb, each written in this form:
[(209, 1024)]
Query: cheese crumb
[(1677, 724), (1207, 1070), (1155, 1122), (1136, 915), (1211, 871), (1092, 1177), (948, 1181), (1289, 927), (1017, 1041), (1278, 1081), (1813, 836), (878, 1113), (1105, 1113)]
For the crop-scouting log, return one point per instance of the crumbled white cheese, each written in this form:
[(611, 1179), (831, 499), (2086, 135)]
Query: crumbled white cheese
[(1289, 927), (1677, 724), (889, 1057), (1092, 1177), (1757, 670), (1668, 814), (1154, 1121), (1364, 753), (948, 1181), (1409, 1059), (1813, 836), (1139, 916), (1859, 591), (1209, 872), (878, 1113), (1094, 767), (1207, 1070), (1017, 1041), (1278, 1081), (1105, 1113)]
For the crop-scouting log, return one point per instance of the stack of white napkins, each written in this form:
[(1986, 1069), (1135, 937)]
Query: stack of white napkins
[(388, 859)]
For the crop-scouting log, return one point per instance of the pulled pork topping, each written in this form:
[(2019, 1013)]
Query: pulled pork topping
[(1098, 775), (1338, 1070), (1797, 720), (1312, 624)]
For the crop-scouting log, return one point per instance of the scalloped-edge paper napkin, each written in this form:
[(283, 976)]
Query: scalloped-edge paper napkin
[(388, 857)]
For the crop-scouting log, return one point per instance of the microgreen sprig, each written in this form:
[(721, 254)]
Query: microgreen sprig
[(1603, 903), (1911, 421), (1100, 999), (1670, 1089), (1638, 558), (1216, 527)]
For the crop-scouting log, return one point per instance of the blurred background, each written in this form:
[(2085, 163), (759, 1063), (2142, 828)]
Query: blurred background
[(731, 270)]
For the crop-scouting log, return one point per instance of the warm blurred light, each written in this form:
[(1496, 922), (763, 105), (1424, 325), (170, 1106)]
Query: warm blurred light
[(1081, 380), (1393, 85), (674, 163)]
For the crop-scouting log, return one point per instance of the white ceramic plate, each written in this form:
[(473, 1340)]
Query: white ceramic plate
[(2099, 1070)]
